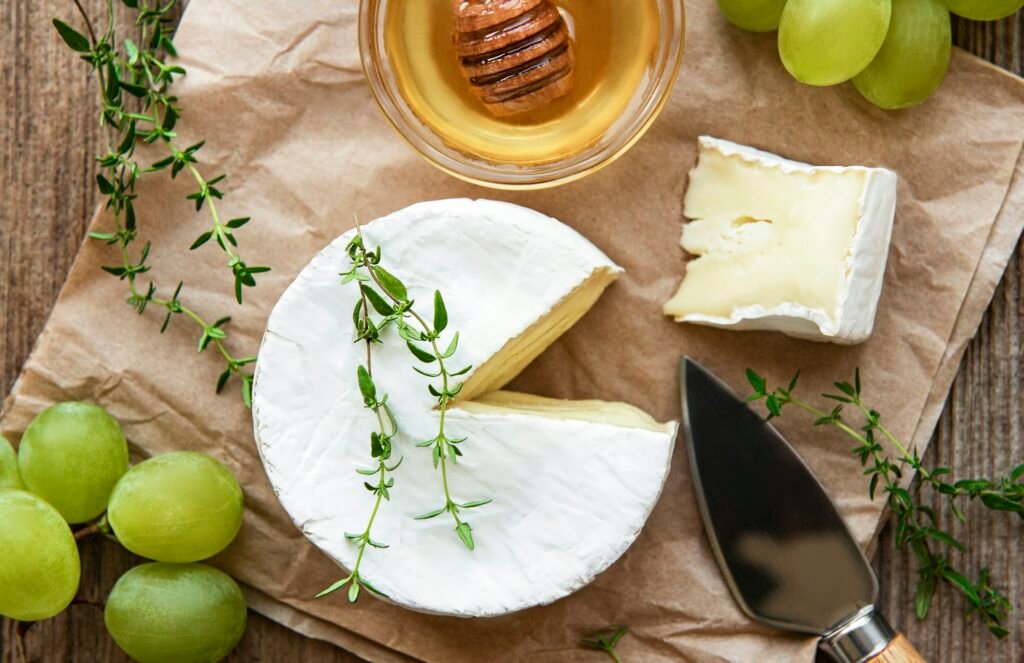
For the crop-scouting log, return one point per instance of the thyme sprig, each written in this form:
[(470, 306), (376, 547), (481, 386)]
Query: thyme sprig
[(607, 642), (389, 297), (134, 81), (916, 523), (381, 446)]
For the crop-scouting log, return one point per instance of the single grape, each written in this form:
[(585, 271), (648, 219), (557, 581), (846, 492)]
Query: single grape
[(824, 43), (984, 10), (179, 507), (914, 58), (753, 15), (71, 455), (176, 613), (10, 477), (39, 567)]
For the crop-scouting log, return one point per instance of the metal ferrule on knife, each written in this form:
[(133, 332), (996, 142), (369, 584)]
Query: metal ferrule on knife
[(859, 638)]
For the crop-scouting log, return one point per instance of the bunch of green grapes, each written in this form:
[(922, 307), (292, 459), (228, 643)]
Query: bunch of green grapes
[(179, 508), (896, 52), (69, 459)]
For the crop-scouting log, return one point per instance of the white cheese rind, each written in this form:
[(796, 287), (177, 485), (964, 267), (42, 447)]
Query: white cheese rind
[(569, 496), (852, 320)]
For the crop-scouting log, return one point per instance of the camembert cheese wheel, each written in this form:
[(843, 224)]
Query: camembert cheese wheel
[(572, 483)]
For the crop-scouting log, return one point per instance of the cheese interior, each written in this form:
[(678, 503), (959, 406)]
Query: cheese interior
[(481, 392), (518, 352), (600, 412), (765, 235)]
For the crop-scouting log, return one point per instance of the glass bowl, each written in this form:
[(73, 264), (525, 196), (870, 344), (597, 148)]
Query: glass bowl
[(638, 111)]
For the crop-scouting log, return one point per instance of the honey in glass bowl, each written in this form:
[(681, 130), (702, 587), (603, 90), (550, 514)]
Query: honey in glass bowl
[(625, 58)]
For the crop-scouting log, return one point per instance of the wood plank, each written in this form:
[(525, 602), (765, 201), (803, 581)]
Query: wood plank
[(49, 135)]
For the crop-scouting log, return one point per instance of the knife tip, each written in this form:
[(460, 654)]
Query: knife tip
[(684, 367), (688, 364), (687, 367)]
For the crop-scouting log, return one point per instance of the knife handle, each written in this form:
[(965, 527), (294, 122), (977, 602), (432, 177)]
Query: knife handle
[(899, 650)]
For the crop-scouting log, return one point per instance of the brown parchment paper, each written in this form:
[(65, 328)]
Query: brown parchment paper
[(277, 88)]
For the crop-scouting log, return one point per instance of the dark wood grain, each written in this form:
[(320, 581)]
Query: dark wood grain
[(47, 137)]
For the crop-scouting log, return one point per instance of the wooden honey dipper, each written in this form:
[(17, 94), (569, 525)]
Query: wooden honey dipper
[(516, 54)]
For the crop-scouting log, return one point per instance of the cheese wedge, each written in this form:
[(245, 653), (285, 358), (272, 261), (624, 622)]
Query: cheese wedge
[(572, 483), (781, 245)]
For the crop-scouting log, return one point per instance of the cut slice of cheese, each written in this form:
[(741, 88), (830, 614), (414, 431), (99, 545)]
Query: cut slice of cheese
[(572, 483), (783, 245), (518, 352), (599, 412)]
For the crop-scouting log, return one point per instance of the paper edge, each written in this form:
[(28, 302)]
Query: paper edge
[(966, 326), (308, 626)]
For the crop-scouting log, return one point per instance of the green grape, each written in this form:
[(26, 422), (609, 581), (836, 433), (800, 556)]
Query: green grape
[(10, 477), (176, 613), (914, 58), (39, 567), (828, 42), (753, 15), (179, 507), (71, 455), (984, 10)]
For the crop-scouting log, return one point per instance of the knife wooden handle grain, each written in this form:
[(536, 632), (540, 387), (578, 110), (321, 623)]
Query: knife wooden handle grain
[(898, 651)]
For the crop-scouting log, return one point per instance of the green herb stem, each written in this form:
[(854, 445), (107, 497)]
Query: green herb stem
[(369, 525), (389, 297), (954, 490), (141, 73), (88, 23), (220, 231), (380, 441), (443, 446), (211, 334), (441, 440), (821, 413), (354, 580), (607, 642), (916, 523)]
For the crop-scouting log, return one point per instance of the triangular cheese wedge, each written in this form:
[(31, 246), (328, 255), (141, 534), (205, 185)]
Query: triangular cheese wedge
[(572, 483)]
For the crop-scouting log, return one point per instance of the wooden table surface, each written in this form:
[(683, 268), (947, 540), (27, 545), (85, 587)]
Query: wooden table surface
[(48, 135)]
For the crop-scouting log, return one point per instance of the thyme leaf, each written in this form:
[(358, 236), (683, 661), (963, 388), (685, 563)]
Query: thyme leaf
[(607, 642)]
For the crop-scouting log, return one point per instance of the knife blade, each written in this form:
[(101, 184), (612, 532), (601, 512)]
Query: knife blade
[(786, 554)]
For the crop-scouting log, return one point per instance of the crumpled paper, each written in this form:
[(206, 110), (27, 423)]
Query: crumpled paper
[(279, 92)]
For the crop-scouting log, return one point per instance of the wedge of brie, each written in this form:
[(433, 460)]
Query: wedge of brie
[(784, 246), (572, 483)]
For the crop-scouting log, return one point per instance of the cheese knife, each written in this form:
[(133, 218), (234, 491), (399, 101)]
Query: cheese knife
[(786, 554)]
